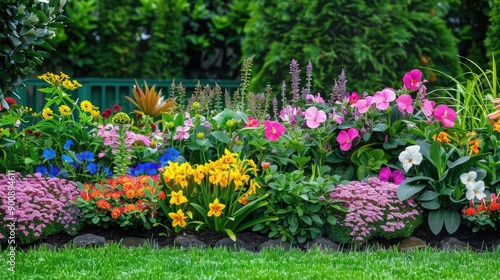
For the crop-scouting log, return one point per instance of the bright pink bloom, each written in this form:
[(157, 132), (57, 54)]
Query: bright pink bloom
[(353, 98), (386, 175), (363, 105), (314, 117), (445, 115), (252, 122), (404, 103), (273, 130), (428, 107), (383, 98), (346, 137), (314, 99), (412, 79)]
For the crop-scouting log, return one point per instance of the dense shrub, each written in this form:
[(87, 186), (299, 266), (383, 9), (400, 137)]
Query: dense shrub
[(42, 207), (370, 40), (491, 42), (374, 210)]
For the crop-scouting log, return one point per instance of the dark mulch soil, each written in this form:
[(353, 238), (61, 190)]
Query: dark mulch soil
[(477, 241)]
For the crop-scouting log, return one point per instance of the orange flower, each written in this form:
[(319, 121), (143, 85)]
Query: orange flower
[(215, 208), (115, 213), (475, 145), (162, 195), (441, 137), (243, 199), (115, 195), (178, 218), (128, 186), (496, 125), (130, 207), (85, 195), (103, 204), (95, 194), (130, 194)]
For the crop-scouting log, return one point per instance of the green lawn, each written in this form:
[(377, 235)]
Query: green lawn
[(115, 262)]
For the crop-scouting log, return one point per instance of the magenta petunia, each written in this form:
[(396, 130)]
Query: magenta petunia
[(405, 103), (412, 79), (395, 177), (382, 99), (445, 115), (314, 117), (273, 130), (346, 137), (353, 98)]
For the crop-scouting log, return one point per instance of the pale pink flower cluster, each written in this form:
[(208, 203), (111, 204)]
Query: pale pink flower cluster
[(41, 203), (373, 208)]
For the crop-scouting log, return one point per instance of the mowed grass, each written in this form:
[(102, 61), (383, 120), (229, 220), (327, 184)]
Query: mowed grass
[(118, 262)]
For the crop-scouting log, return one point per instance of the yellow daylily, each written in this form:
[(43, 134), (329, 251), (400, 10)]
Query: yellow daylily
[(215, 208)]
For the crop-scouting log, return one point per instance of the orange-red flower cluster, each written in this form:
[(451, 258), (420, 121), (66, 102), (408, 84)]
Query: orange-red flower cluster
[(125, 195), (484, 207)]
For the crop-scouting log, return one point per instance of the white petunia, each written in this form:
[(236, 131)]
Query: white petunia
[(410, 156), (468, 178), (475, 190)]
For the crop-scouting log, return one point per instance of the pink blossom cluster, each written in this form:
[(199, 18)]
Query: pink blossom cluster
[(41, 205), (374, 209)]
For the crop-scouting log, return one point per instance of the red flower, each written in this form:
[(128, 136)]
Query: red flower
[(153, 126), (37, 133), (117, 108), (10, 101), (107, 113), (469, 211), (494, 206), (29, 131)]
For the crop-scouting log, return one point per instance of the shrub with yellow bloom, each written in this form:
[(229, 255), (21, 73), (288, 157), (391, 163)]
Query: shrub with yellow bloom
[(222, 193), (86, 106), (64, 110)]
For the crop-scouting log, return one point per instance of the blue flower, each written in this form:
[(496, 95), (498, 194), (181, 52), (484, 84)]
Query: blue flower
[(137, 170), (67, 158), (68, 144), (173, 153), (164, 159), (150, 168), (92, 168), (107, 171), (41, 169), (87, 156), (54, 171), (48, 154)]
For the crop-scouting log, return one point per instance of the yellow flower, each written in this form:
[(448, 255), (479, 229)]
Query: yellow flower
[(95, 113), (215, 208), (47, 113), (178, 218), (178, 198), (64, 110), (200, 135), (86, 106)]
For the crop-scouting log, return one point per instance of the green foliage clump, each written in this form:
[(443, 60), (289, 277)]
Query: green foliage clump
[(27, 26), (370, 40), (491, 42)]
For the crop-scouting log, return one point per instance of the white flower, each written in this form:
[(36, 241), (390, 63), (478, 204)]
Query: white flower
[(410, 156), (468, 178), (475, 190)]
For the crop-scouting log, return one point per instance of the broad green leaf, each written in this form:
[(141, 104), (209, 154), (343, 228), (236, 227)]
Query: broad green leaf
[(221, 136), (432, 204), (451, 221), (436, 220)]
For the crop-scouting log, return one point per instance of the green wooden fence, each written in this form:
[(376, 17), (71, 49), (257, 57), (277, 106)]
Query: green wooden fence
[(104, 93)]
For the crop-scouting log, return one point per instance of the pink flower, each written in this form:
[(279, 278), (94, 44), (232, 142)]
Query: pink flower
[(346, 137), (428, 107), (445, 115), (386, 175), (353, 98), (337, 118), (314, 117), (314, 99), (383, 98), (363, 105), (252, 122), (273, 130), (289, 114), (404, 103), (412, 79), (182, 133)]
